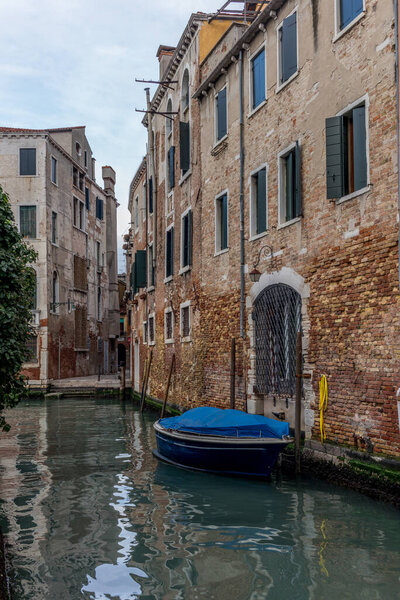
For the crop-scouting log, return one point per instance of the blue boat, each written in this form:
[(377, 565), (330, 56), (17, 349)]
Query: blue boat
[(223, 441)]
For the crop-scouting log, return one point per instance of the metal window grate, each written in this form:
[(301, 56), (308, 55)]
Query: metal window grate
[(277, 319), (151, 329), (185, 321), (168, 325)]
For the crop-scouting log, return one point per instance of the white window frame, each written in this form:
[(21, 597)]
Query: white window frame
[(341, 32), (172, 339), (183, 305), (185, 268), (52, 157), (280, 86), (217, 241), (149, 341), (363, 100), (281, 204), (216, 140), (262, 46), (253, 199)]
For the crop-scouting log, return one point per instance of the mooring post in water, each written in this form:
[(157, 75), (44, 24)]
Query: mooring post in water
[(123, 378), (297, 427), (146, 381), (167, 388), (233, 370)]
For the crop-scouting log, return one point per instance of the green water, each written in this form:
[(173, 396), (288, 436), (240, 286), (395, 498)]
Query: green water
[(88, 513)]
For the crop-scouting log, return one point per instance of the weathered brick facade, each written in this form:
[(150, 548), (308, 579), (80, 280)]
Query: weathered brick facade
[(339, 255)]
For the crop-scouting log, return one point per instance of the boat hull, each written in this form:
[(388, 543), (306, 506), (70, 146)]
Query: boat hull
[(247, 457)]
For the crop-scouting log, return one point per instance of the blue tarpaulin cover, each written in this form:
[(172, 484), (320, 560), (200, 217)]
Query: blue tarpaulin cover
[(233, 423)]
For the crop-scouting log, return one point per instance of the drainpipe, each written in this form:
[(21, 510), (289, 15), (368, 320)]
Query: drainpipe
[(242, 335), (150, 145), (396, 29)]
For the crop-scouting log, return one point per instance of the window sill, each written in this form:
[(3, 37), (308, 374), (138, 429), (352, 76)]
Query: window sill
[(342, 32), (54, 182), (171, 341), (257, 108), (289, 223), (221, 252), (258, 236), (79, 229), (151, 343), (282, 86), (81, 350), (55, 245), (185, 269), (151, 289), (185, 176), (36, 175), (168, 279), (363, 190), (218, 142), (186, 339), (28, 365)]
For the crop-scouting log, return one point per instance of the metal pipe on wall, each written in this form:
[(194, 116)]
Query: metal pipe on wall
[(242, 335), (396, 30)]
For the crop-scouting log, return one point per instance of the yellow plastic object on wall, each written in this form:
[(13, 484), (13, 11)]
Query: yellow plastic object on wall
[(323, 405)]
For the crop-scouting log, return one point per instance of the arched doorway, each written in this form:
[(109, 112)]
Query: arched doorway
[(277, 319), (121, 354)]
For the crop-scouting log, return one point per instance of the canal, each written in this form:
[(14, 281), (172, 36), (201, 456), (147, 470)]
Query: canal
[(88, 513)]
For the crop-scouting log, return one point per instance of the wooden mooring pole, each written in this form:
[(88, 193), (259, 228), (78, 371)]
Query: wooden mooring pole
[(167, 388), (123, 380), (233, 371), (297, 426), (146, 381)]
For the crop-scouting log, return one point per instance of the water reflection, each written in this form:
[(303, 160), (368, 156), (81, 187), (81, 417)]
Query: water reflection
[(89, 513)]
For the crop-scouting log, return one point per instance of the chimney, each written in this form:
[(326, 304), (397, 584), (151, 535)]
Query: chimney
[(164, 54), (109, 178)]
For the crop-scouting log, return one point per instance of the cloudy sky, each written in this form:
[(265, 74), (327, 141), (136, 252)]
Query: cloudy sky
[(74, 62)]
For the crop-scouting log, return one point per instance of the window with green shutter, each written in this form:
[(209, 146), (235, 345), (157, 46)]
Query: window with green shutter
[(221, 223), (290, 184), (346, 153), (288, 47), (186, 239), (140, 269), (150, 195), (184, 146), (221, 115), (27, 161), (27, 221), (171, 168), (259, 202), (99, 208), (169, 253), (349, 10), (258, 78)]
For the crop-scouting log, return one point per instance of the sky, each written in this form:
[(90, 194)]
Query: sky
[(74, 62)]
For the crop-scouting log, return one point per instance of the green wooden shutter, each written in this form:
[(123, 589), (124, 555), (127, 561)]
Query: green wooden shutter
[(140, 269), (190, 237), (171, 167), (184, 144), (224, 222), (169, 253), (221, 114), (27, 161), (261, 201), (360, 148), (132, 277), (151, 195), (298, 202), (335, 157), (289, 185), (289, 47)]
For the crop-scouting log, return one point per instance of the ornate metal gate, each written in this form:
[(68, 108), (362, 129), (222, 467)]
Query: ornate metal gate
[(277, 319)]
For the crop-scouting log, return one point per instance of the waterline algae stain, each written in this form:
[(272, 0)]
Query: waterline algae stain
[(88, 513)]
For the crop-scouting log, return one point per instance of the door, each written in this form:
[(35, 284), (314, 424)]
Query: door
[(105, 357), (136, 371)]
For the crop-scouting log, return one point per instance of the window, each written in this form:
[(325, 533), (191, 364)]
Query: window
[(184, 146), (140, 270), (290, 184), (346, 152), (78, 148), (54, 170), (98, 254), (86, 159), (186, 239), (121, 327), (87, 198), (185, 91), (221, 114), (258, 79), (31, 349), (54, 228), (81, 180), (287, 40), (151, 326), (151, 275), (258, 212), (27, 161), (169, 253), (55, 293), (137, 212), (145, 332), (169, 120), (221, 223), (171, 168), (75, 176), (348, 11), (79, 214), (35, 294), (27, 221), (169, 325), (185, 321), (99, 297), (99, 208), (150, 196)]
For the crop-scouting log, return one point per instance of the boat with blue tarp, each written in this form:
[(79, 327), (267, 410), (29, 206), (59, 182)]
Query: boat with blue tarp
[(224, 441)]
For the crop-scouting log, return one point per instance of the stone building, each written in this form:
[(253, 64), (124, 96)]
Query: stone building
[(293, 187), (70, 220)]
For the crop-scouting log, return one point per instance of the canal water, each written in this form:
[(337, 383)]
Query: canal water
[(88, 513)]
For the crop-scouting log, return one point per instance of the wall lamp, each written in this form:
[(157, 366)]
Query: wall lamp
[(255, 273)]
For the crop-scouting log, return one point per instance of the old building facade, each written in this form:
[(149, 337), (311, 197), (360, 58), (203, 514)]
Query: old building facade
[(49, 176), (293, 192)]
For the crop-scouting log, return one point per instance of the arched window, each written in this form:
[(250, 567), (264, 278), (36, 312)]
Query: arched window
[(55, 296), (185, 91), (168, 121), (277, 320)]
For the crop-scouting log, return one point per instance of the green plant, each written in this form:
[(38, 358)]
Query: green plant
[(17, 290)]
